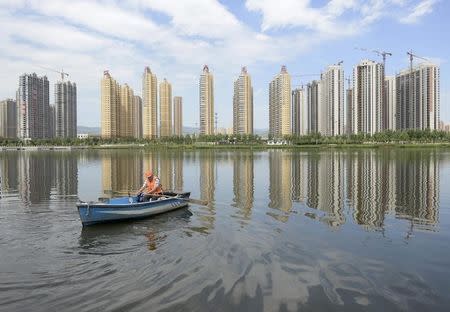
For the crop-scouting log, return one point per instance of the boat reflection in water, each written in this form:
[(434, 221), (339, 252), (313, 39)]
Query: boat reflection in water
[(149, 231)]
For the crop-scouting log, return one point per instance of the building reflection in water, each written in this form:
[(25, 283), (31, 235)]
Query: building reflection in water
[(375, 182), (166, 170), (35, 176), (280, 178), (418, 200), (318, 180), (178, 184), (243, 187), (207, 166), (9, 178), (403, 183), (122, 172)]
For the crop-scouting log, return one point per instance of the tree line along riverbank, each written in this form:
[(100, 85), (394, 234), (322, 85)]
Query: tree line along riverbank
[(400, 138)]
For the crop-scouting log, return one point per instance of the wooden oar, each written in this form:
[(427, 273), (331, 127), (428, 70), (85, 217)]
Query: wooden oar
[(191, 200)]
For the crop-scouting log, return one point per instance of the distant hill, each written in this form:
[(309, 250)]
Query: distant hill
[(88, 130)]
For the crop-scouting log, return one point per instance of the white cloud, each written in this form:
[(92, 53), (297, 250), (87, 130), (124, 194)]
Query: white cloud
[(337, 18), (206, 18), (423, 8)]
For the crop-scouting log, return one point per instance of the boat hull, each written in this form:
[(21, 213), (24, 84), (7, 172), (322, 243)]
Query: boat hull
[(128, 208)]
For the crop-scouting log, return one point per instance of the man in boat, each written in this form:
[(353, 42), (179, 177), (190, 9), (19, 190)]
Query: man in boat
[(152, 186)]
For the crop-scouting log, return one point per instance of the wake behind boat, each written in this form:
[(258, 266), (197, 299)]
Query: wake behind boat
[(129, 207)]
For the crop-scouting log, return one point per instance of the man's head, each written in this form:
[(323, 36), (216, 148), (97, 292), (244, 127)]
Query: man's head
[(148, 175)]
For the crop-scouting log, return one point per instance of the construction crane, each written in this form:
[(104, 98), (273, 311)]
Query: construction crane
[(411, 57), (383, 54), (62, 73)]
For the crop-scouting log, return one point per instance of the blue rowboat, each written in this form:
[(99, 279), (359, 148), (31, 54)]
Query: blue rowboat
[(129, 208)]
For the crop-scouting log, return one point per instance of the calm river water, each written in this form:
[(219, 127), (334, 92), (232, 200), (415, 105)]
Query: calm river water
[(310, 230)]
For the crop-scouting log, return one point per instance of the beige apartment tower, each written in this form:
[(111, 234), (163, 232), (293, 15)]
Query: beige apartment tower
[(206, 101), (165, 106), (8, 119), (127, 116), (150, 105), (110, 106), (177, 115), (280, 104), (243, 104), (137, 127)]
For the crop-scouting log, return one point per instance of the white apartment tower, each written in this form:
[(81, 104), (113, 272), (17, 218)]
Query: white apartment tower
[(349, 113), (390, 102), (418, 98), (367, 107), (206, 101), (280, 104), (243, 104), (314, 96), (331, 107), (299, 112), (65, 109)]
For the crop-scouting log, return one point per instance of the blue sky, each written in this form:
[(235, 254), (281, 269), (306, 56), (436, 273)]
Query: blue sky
[(175, 38)]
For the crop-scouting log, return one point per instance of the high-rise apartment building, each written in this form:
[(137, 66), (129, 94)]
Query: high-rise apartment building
[(349, 113), (65, 109), (137, 127), (418, 98), (127, 115), (110, 106), (390, 104), (243, 104), (314, 96), (331, 107), (299, 112), (51, 121), (368, 79), (33, 107), (178, 115), (165, 106), (8, 119), (280, 104), (150, 104), (206, 99)]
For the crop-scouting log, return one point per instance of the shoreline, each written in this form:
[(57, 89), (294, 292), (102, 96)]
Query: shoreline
[(221, 147)]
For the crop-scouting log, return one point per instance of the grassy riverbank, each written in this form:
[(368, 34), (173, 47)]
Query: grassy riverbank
[(224, 147), (404, 139)]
